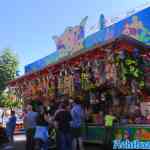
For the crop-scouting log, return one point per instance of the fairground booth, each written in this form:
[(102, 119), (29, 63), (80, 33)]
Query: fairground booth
[(107, 70)]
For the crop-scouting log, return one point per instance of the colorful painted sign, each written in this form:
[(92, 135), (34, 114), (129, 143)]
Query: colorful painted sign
[(39, 64), (71, 40), (142, 134), (136, 26)]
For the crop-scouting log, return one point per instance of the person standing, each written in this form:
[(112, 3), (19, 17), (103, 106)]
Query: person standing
[(62, 119), (109, 119), (10, 126), (2, 117), (77, 114), (41, 132), (30, 120)]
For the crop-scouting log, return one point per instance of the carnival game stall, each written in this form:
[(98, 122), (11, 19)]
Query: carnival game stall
[(108, 70), (104, 77)]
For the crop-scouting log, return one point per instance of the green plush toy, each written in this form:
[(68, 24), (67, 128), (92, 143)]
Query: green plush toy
[(129, 68)]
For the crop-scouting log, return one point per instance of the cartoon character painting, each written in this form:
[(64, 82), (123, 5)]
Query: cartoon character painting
[(137, 30), (118, 135), (138, 134), (127, 134), (71, 40), (142, 134)]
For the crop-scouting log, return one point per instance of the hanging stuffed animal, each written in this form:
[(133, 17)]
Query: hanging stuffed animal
[(39, 88), (110, 68), (25, 89), (96, 73), (97, 77), (68, 82), (84, 80), (136, 53), (29, 89), (53, 85), (19, 91), (102, 72), (43, 82), (77, 81), (72, 86), (134, 86), (46, 84), (60, 83), (130, 68)]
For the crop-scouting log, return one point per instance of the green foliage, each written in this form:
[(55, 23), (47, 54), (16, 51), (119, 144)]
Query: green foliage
[(8, 67), (6, 100)]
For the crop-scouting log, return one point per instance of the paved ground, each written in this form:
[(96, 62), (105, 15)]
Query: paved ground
[(20, 144)]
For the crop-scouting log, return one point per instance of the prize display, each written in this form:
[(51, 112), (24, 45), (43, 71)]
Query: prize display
[(121, 69)]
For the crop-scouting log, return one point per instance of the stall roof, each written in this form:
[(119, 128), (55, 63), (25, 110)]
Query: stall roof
[(137, 26), (122, 38)]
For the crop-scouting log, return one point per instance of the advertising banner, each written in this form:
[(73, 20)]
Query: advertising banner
[(136, 26), (73, 39)]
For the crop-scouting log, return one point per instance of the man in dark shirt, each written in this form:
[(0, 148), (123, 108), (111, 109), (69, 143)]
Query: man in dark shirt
[(63, 118)]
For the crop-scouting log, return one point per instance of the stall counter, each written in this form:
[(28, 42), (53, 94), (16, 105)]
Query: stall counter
[(94, 133)]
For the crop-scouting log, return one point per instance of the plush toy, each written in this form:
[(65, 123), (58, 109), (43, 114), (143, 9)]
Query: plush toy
[(127, 134), (111, 74), (84, 80), (77, 80), (96, 76), (71, 85), (60, 83), (136, 53), (122, 54), (118, 134), (34, 88), (110, 67), (50, 84), (44, 90), (47, 84)]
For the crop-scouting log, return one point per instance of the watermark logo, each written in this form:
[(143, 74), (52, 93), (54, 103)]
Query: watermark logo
[(135, 144)]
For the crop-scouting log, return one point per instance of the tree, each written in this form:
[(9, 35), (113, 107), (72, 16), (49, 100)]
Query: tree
[(8, 67), (8, 100)]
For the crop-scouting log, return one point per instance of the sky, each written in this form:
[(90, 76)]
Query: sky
[(27, 26)]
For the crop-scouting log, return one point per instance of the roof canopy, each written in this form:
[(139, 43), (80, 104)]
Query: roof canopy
[(119, 42), (72, 40)]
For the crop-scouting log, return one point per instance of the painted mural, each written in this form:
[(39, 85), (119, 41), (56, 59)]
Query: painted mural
[(136, 26), (142, 134), (71, 40), (41, 63), (137, 30)]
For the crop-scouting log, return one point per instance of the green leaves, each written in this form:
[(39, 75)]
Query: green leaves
[(7, 100), (8, 66)]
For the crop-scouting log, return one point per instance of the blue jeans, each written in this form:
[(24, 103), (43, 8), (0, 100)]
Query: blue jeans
[(64, 141), (39, 143), (45, 145)]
